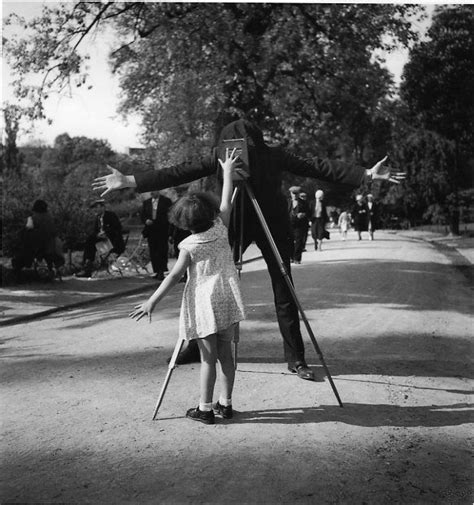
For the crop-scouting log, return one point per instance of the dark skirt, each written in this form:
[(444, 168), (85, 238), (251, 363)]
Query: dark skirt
[(318, 228)]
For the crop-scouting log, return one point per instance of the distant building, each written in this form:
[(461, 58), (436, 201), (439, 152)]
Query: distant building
[(136, 151)]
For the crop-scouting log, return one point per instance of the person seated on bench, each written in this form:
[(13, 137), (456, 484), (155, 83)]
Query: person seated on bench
[(106, 235), (38, 241)]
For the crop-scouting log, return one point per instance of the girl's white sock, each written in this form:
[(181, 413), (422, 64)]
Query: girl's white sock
[(225, 402), (205, 407)]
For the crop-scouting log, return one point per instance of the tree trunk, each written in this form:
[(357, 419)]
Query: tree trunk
[(454, 222)]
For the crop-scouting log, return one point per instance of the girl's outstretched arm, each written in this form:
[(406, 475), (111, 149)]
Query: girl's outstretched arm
[(171, 280), (227, 169)]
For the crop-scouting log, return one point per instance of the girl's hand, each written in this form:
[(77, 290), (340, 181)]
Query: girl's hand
[(144, 309), (229, 163)]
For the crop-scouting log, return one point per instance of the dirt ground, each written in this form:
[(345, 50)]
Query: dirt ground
[(393, 318)]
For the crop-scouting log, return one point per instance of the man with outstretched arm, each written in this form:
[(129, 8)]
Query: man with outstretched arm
[(266, 167)]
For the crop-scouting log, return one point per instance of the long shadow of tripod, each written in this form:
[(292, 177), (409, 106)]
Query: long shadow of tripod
[(242, 188)]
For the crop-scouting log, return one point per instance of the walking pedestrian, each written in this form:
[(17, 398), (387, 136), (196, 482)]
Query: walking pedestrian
[(319, 219), (343, 223), (371, 215), (299, 218), (212, 303), (359, 216), (304, 198)]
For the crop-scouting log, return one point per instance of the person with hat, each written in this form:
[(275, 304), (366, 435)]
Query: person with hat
[(106, 234), (299, 219), (319, 219), (371, 215), (359, 216)]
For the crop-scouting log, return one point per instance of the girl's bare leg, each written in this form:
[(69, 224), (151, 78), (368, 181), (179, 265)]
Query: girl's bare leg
[(224, 355), (208, 351)]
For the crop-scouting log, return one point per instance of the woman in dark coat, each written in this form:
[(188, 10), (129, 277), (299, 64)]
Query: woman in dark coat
[(359, 216), (38, 240)]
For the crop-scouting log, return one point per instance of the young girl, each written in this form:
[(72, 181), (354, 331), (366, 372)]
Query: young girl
[(212, 303), (343, 223)]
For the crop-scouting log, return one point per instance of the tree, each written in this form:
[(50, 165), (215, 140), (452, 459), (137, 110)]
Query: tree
[(427, 159), (190, 68), (437, 87), (11, 159), (61, 177)]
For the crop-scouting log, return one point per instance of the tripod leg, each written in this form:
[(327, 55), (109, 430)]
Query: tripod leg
[(172, 364), (239, 261), (236, 345), (289, 283)]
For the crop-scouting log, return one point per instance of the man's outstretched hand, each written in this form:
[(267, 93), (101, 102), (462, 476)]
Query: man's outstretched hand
[(380, 171), (114, 180)]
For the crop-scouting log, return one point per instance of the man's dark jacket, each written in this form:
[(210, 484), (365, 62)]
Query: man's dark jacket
[(301, 207), (112, 229), (267, 165), (372, 216), (359, 216), (160, 228)]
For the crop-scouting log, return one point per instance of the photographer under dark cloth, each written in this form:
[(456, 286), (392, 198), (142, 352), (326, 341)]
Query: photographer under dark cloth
[(266, 167)]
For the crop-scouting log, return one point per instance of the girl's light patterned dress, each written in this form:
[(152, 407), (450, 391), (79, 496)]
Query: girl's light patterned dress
[(211, 300)]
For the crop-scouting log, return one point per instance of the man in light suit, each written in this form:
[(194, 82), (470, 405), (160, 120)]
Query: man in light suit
[(371, 215)]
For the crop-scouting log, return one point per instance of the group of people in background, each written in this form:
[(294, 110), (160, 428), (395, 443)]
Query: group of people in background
[(304, 214), (313, 215), (107, 234), (364, 216), (39, 240)]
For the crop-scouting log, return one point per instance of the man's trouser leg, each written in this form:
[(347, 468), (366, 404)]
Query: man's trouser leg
[(314, 234), (286, 309), (158, 247), (89, 249), (299, 243)]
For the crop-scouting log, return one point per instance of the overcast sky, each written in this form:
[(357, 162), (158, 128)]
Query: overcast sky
[(92, 113)]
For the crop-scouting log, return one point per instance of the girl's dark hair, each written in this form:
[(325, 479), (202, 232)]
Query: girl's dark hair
[(40, 206), (195, 212)]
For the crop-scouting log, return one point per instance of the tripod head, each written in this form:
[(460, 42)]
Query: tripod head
[(226, 147)]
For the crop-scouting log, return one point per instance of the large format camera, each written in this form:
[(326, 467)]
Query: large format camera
[(242, 170)]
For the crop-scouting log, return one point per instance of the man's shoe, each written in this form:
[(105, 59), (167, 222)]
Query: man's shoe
[(225, 412), (159, 276), (202, 417), (302, 370)]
